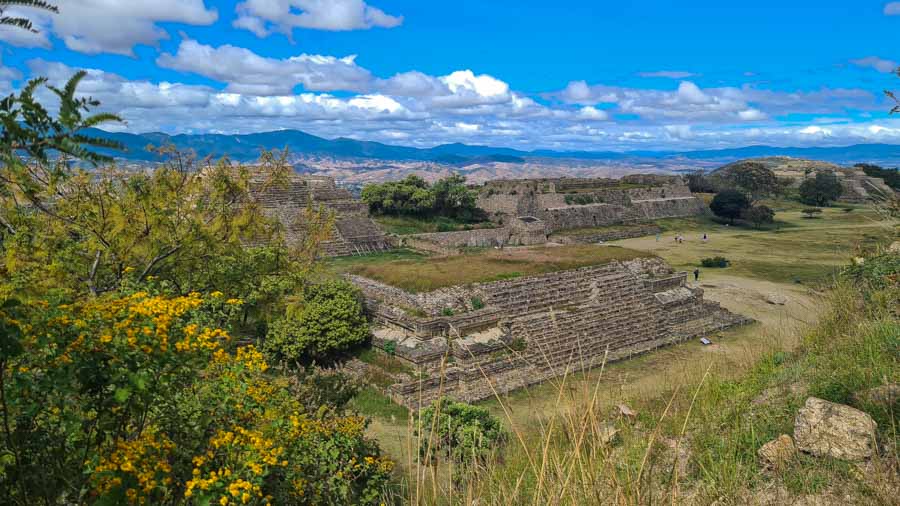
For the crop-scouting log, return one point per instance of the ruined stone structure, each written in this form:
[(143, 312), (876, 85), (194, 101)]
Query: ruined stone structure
[(860, 188), (509, 334), (583, 203), (353, 232)]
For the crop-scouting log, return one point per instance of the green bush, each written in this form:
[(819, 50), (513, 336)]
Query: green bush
[(718, 262), (477, 303), (328, 321), (467, 434), (811, 212)]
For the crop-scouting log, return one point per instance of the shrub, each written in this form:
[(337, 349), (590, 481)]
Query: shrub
[(811, 212), (328, 321), (729, 204), (718, 262), (477, 303), (447, 311), (467, 434)]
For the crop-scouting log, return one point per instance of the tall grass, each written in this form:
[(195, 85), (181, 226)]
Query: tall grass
[(695, 440)]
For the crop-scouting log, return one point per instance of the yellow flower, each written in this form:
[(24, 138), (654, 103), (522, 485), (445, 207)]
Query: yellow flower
[(223, 501), (217, 294)]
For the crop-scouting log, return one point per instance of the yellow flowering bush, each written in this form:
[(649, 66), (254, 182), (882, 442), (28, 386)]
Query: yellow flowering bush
[(139, 399)]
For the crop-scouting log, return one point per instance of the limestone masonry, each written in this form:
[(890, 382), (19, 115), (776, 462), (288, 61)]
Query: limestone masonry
[(505, 335)]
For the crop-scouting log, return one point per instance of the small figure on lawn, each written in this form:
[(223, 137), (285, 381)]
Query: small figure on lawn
[(696, 274), (705, 238)]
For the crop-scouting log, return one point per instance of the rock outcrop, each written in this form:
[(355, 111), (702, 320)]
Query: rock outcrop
[(826, 429)]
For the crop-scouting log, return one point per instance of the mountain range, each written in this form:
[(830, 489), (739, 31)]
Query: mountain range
[(247, 147)]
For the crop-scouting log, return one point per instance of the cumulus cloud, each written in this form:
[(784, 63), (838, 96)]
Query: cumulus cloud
[(246, 72), (111, 26), (668, 74), (262, 17), (879, 64)]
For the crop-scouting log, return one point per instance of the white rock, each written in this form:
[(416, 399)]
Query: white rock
[(824, 428), (776, 298)]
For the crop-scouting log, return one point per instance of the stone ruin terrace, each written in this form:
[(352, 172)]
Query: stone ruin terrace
[(501, 335), (353, 233)]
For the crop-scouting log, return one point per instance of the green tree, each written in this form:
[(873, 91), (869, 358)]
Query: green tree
[(459, 431), (729, 204), (699, 182), (759, 215), (820, 190), (413, 196), (753, 178), (811, 212), (328, 320)]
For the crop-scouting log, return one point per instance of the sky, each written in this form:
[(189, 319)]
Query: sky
[(529, 74)]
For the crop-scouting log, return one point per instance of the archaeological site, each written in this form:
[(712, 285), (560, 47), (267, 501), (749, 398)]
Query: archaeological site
[(486, 335)]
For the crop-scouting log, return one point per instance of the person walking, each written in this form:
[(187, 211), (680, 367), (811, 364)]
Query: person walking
[(705, 237), (696, 274)]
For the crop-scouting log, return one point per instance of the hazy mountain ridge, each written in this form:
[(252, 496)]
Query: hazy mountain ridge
[(248, 146)]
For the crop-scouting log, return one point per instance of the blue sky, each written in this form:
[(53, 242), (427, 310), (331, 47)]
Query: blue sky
[(528, 74)]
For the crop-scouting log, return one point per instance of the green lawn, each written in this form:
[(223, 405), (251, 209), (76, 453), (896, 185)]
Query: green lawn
[(419, 273)]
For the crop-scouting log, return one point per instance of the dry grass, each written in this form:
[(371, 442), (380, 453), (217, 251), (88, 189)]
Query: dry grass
[(424, 274)]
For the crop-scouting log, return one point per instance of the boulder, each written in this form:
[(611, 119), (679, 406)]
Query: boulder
[(826, 429), (778, 452), (776, 299)]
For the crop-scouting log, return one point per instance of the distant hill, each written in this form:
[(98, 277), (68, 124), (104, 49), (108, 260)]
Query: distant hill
[(248, 146)]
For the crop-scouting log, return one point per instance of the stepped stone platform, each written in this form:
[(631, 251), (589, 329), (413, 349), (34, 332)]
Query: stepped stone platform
[(353, 232), (472, 342)]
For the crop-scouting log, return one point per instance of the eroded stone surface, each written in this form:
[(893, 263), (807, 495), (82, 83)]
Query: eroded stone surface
[(778, 452), (826, 429)]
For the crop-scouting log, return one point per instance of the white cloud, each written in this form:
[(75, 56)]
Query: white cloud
[(592, 113), (879, 64), (668, 74), (246, 72), (263, 17), (110, 26), (892, 9), (751, 115)]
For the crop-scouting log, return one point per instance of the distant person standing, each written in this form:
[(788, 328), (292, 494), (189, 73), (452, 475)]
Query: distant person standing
[(705, 238), (657, 237), (696, 274)]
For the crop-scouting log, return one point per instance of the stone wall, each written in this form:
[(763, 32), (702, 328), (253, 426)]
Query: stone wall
[(534, 328), (614, 234), (353, 232)]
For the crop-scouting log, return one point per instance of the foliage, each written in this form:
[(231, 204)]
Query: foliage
[(811, 212), (759, 215), (413, 196), (717, 261), (820, 190), (579, 199), (459, 431), (477, 303), (328, 320), (700, 182), (729, 204), (135, 398), (891, 177), (21, 22), (753, 178)]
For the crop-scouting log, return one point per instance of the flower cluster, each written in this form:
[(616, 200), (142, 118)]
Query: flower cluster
[(140, 467), (234, 466)]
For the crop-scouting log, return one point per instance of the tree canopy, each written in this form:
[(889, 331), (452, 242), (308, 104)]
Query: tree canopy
[(413, 196), (820, 190), (729, 204), (751, 177)]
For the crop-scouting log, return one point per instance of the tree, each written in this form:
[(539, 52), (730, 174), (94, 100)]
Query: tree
[(699, 182), (753, 178), (328, 320), (729, 204), (413, 196), (759, 215), (22, 22), (462, 432), (820, 190)]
